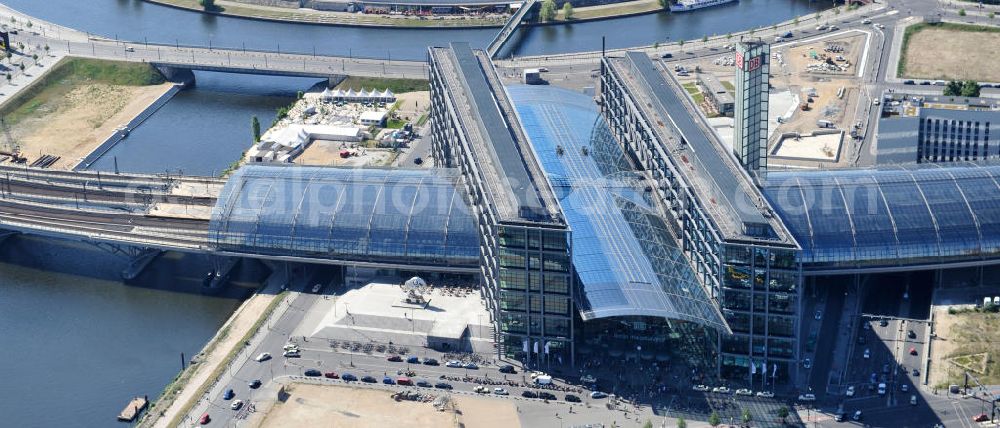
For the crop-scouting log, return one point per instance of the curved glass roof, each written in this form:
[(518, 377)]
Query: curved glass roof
[(891, 216), (412, 217), (626, 261)]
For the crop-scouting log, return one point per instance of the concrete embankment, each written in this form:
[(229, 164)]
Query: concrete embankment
[(123, 132)]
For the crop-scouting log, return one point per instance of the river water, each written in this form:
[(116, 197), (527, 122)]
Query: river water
[(201, 131), (139, 21), (77, 343)]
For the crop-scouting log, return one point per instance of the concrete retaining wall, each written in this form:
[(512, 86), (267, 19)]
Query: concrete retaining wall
[(290, 4), (120, 134)]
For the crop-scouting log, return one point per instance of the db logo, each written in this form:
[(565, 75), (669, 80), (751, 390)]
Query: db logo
[(748, 64)]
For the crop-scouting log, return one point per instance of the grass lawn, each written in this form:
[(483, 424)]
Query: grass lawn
[(976, 337), (70, 73), (949, 51), (614, 9), (395, 85), (692, 89)]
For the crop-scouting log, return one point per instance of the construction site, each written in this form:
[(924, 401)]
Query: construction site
[(814, 97)]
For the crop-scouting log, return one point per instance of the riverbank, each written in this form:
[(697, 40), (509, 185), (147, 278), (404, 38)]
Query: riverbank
[(347, 19), (74, 106)]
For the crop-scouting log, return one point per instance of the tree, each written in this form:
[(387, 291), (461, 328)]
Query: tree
[(961, 12), (664, 3), (681, 423), (34, 57), (681, 44), (783, 414), (704, 39), (714, 419), (656, 45), (30, 24), (548, 11), (992, 15), (567, 11), (21, 66), (46, 49), (647, 424), (9, 77), (255, 128), (747, 417), (970, 88), (208, 5), (729, 36), (958, 88)]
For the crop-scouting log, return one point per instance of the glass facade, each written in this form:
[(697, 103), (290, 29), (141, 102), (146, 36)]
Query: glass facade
[(857, 219), (406, 217), (753, 62)]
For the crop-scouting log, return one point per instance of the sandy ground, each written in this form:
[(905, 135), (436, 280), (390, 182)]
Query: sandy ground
[(942, 345), (487, 413), (327, 153), (74, 125), (413, 104), (342, 406), (943, 54)]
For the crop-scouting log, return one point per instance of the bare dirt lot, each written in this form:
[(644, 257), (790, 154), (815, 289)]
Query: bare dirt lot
[(941, 53), (74, 124), (329, 405), (965, 341)]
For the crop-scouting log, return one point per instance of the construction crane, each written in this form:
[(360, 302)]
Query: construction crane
[(10, 146)]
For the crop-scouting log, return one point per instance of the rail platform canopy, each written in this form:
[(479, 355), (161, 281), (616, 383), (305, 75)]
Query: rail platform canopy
[(626, 260), (891, 216), (392, 216)]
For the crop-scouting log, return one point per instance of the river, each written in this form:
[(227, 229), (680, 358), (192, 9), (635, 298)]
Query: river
[(202, 130), (139, 21), (77, 343)]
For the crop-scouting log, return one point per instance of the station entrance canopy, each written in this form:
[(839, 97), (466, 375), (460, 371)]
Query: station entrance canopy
[(626, 260), (395, 217)]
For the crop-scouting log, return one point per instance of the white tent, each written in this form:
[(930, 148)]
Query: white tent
[(326, 95), (388, 96)]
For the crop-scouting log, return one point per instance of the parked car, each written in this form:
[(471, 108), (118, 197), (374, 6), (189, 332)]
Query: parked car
[(744, 391), (807, 397), (866, 21), (413, 360), (850, 391), (479, 389), (394, 358), (331, 375), (262, 357), (598, 395), (507, 368), (316, 288), (915, 372), (236, 405), (424, 384), (839, 417), (546, 395), (471, 366), (913, 350), (368, 379), (403, 380), (205, 419), (881, 388), (701, 388), (229, 394), (982, 417), (572, 398), (911, 334), (347, 377), (292, 353), (254, 384), (418, 161), (500, 391), (883, 323), (765, 394), (430, 362), (388, 380), (443, 385), (313, 373), (529, 394), (453, 363), (667, 55), (908, 82), (721, 390), (857, 415)]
